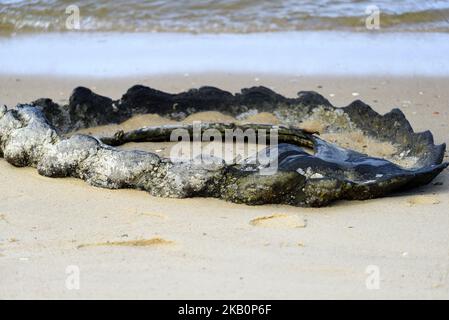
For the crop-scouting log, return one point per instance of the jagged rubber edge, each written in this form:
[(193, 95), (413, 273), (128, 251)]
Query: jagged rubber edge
[(100, 110)]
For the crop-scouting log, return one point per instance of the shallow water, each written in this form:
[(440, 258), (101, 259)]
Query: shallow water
[(293, 53), (222, 16)]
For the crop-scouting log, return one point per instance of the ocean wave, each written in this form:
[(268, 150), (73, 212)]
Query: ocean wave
[(221, 16)]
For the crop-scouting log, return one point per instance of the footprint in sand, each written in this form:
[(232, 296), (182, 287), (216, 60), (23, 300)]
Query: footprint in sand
[(417, 200), (3, 217), (130, 243), (154, 215), (279, 221)]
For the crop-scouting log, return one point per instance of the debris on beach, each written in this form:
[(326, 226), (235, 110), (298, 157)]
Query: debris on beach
[(349, 153)]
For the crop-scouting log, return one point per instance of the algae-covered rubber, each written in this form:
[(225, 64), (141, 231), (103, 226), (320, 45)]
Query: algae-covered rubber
[(35, 135)]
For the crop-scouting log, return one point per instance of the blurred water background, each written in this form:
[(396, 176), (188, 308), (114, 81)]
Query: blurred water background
[(299, 37), (222, 16)]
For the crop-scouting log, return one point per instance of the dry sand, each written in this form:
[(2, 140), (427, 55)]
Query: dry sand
[(128, 244)]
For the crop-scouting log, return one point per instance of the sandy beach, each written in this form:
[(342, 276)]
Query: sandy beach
[(128, 244)]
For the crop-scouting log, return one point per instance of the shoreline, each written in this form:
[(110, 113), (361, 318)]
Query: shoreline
[(104, 55)]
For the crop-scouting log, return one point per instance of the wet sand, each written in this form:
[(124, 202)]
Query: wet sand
[(128, 244)]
